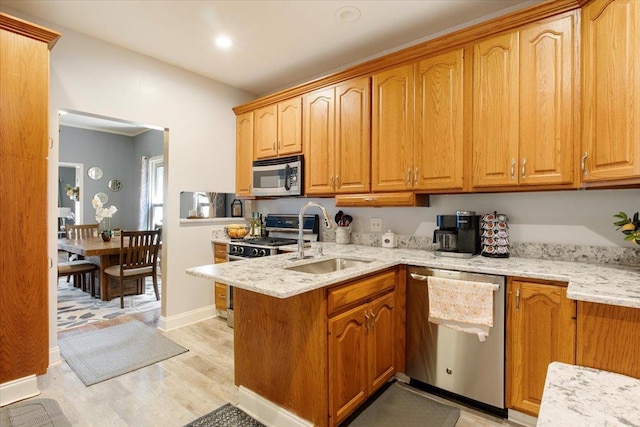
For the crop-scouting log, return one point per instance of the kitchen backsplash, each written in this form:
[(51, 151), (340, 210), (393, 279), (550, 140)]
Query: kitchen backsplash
[(560, 252)]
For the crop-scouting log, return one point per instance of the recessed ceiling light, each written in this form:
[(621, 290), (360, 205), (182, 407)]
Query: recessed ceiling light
[(348, 14), (224, 42)]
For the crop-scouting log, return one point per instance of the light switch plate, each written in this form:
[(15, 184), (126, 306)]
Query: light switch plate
[(376, 225)]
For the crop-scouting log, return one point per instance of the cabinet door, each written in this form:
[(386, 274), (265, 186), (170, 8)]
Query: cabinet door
[(541, 329), (353, 136), (319, 135), (381, 341), (244, 153), (439, 123), (290, 126), (611, 89), (265, 133), (495, 111), (546, 154), (347, 363), (392, 129)]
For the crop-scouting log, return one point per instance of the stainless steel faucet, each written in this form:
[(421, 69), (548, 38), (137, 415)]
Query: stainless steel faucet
[(327, 223)]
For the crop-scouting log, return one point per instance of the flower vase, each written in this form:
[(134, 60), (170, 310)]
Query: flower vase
[(106, 236), (105, 229)]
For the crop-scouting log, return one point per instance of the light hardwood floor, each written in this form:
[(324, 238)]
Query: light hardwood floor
[(172, 392)]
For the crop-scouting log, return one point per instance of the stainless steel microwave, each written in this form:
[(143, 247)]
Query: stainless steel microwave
[(278, 177)]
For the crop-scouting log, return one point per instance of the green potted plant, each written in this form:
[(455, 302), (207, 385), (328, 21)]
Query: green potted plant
[(630, 226)]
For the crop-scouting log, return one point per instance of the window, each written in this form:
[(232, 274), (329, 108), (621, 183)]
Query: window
[(156, 201)]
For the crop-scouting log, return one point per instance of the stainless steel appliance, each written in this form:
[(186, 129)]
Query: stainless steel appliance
[(458, 235), (281, 230), (278, 177), (452, 361)]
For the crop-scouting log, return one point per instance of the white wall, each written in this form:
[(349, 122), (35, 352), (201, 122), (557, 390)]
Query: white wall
[(565, 217), (92, 76)]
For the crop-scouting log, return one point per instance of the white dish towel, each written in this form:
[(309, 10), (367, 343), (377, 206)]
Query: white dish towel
[(461, 305)]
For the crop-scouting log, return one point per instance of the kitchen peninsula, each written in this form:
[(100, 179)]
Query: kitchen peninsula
[(283, 316)]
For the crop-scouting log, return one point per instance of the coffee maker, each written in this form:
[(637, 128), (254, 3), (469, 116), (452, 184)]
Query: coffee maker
[(458, 235)]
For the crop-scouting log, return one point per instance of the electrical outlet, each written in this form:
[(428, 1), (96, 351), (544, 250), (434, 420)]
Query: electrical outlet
[(376, 224)]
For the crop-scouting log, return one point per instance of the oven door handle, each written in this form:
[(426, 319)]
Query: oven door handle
[(287, 182), (419, 277), (236, 258)]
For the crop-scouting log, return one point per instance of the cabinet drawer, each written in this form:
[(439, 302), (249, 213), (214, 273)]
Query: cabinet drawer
[(220, 296), (220, 252), (350, 294)]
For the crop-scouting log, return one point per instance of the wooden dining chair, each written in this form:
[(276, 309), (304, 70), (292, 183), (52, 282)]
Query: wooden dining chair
[(138, 260), (76, 268)]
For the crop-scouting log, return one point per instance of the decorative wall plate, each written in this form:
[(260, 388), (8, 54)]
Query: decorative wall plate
[(103, 197), (94, 172), (115, 185)]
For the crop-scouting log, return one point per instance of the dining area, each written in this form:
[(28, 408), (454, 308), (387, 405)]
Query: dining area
[(109, 268)]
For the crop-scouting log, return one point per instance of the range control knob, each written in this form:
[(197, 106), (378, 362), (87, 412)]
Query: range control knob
[(240, 250), (233, 249), (254, 252), (263, 252)]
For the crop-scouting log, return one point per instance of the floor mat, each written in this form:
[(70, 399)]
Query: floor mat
[(106, 353), (226, 416), (398, 405), (33, 413)]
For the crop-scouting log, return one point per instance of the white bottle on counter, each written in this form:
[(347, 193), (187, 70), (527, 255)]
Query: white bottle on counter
[(389, 240)]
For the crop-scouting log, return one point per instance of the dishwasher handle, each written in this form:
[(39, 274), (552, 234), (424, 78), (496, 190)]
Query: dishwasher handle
[(420, 277)]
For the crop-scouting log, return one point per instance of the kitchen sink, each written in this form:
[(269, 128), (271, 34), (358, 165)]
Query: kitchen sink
[(328, 265)]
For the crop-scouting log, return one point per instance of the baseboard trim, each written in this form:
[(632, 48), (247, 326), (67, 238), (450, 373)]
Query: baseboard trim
[(19, 389), (267, 412), (55, 358), (522, 419), (184, 319)]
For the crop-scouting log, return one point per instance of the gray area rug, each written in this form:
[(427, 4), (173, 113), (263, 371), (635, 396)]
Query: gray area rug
[(33, 413), (106, 353), (78, 308), (400, 406), (226, 416)]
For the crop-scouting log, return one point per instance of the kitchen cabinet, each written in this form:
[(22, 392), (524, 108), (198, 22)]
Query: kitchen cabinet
[(319, 347), (337, 138), (361, 343), (523, 97), (244, 153), (609, 338), (220, 289), (24, 127), (439, 122), (405, 199), (392, 129), (541, 328), (278, 129), (610, 91)]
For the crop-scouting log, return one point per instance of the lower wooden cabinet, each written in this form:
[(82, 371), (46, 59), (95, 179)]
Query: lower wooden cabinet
[(609, 338), (220, 289), (541, 328), (361, 354)]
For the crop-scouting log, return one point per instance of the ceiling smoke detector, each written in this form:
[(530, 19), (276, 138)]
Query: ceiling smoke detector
[(348, 14)]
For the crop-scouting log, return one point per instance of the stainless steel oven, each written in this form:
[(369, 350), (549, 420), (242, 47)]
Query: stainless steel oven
[(278, 177)]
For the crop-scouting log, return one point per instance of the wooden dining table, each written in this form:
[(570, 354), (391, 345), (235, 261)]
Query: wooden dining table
[(101, 253)]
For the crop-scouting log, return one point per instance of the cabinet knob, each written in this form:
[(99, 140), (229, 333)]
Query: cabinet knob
[(415, 177), (409, 176), (524, 167), (583, 164), (513, 168)]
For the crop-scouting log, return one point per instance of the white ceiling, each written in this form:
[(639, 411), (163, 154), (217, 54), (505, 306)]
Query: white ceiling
[(276, 43), (102, 124)]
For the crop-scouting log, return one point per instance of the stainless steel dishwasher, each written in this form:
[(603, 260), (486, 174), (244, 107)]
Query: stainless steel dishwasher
[(450, 360)]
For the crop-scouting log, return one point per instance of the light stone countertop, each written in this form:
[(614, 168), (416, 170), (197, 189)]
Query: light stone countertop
[(579, 396), (601, 283)]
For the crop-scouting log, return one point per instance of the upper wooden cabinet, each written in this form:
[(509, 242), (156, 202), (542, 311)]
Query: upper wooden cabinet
[(541, 328), (439, 122), (244, 150), (337, 138), (610, 90), (278, 129), (523, 97), (392, 129)]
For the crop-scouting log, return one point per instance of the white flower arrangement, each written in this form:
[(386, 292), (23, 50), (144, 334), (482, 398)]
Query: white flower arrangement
[(102, 212)]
